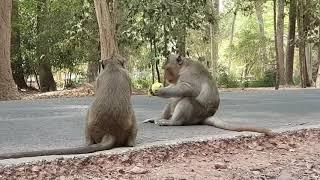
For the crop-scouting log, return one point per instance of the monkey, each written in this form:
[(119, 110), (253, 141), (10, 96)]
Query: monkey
[(194, 97), (110, 119)]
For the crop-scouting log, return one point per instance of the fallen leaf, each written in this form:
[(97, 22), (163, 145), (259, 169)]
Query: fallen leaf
[(138, 170)]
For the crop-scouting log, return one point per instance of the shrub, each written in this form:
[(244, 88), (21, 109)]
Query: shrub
[(268, 80), (227, 81), (141, 83)]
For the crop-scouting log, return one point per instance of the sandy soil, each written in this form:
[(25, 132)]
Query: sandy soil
[(291, 155)]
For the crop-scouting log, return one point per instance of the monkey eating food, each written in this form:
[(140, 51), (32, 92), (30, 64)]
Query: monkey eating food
[(110, 120), (194, 97)]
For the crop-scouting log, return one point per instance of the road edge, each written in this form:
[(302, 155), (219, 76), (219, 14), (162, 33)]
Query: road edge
[(158, 144)]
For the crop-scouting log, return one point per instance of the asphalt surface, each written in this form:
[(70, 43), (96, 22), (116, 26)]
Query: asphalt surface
[(58, 123)]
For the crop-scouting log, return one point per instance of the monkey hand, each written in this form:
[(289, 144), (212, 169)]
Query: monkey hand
[(162, 92), (153, 93), (156, 92), (155, 88)]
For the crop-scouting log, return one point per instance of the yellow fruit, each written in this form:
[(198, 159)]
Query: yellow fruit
[(156, 86)]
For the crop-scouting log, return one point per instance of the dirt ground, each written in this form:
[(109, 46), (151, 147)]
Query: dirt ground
[(290, 155)]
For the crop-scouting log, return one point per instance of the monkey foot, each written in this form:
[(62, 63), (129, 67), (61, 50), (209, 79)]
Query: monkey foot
[(150, 120), (163, 122)]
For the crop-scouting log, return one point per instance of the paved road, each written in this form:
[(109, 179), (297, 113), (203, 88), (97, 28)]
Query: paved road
[(57, 123)]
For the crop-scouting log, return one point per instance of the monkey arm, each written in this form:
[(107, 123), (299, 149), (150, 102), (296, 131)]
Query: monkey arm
[(182, 89)]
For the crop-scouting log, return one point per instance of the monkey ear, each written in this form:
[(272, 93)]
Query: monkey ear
[(122, 60), (179, 60), (104, 61)]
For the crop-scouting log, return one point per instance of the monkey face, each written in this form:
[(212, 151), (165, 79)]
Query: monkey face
[(172, 68)]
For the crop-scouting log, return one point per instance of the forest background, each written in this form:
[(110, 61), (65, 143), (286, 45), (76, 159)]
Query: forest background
[(244, 43)]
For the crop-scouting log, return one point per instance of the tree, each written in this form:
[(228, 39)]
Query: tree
[(318, 73), (47, 82), (291, 42), (16, 53), (214, 34), (92, 36), (108, 44), (259, 13), (233, 22), (302, 44), (276, 44), (8, 89), (232, 25), (280, 30)]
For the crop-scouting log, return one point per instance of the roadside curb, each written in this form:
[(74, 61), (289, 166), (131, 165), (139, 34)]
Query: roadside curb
[(158, 144)]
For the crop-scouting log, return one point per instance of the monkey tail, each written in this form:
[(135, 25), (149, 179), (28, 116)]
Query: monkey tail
[(213, 121), (105, 145)]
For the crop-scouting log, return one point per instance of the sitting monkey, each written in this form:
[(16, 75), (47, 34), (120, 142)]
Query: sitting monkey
[(110, 120), (194, 97)]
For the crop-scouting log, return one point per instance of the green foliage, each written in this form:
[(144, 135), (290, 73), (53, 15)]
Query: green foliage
[(160, 22), (226, 80), (296, 79), (248, 50), (141, 83), (71, 33), (268, 80)]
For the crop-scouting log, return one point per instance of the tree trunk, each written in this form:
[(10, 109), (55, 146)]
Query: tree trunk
[(280, 30), (276, 44), (291, 42), (47, 82), (262, 38), (214, 34), (302, 37), (36, 77), (8, 89), (152, 71), (309, 63), (318, 73), (152, 60), (232, 35), (259, 13), (17, 61), (107, 30), (92, 71), (157, 60), (165, 51), (18, 75), (181, 41), (232, 25)]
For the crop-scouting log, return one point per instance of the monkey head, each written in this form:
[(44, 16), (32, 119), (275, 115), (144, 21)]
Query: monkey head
[(172, 68), (116, 59)]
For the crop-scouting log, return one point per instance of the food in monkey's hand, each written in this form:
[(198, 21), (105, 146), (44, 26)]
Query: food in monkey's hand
[(155, 87)]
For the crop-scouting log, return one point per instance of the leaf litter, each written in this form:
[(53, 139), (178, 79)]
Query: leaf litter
[(288, 155)]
